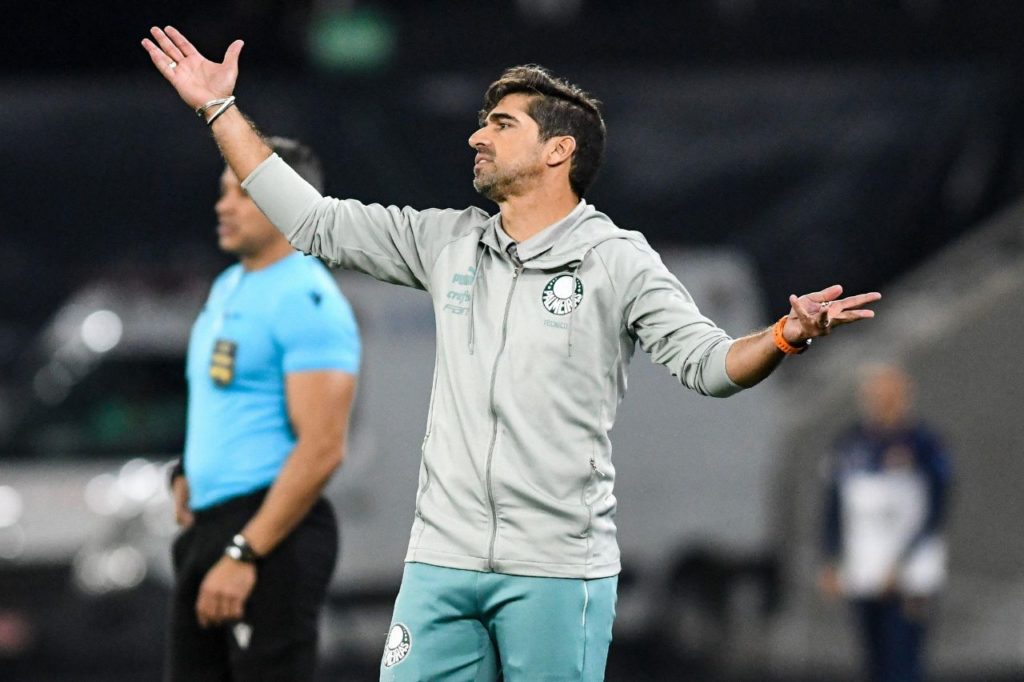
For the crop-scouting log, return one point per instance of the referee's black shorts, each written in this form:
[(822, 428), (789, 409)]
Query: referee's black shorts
[(277, 638)]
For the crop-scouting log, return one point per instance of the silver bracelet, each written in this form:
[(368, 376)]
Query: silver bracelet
[(223, 107), (224, 102), (201, 111)]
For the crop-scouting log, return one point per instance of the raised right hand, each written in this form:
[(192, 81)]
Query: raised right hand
[(196, 78)]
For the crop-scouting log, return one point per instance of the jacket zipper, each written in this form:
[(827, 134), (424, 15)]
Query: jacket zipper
[(494, 417)]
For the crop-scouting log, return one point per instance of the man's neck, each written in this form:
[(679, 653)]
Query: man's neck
[(266, 256), (526, 215)]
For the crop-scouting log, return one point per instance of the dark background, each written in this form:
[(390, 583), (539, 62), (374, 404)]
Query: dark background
[(827, 141), (840, 141)]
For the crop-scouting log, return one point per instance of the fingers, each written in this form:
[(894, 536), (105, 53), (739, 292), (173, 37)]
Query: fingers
[(858, 300), (186, 48), (854, 303), (806, 307), (231, 55), (830, 293), (213, 608), (160, 60), (165, 43), (852, 316), (799, 305), (816, 302), (224, 591), (205, 609), (819, 312), (828, 298), (850, 309)]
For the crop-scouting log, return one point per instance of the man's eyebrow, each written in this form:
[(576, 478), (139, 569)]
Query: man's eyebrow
[(496, 116)]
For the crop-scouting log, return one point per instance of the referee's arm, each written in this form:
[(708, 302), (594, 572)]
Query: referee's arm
[(319, 403)]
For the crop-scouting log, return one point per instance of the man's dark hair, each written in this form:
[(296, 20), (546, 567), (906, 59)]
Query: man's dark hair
[(560, 108), (301, 158)]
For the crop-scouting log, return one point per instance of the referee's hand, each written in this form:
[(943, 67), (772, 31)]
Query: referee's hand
[(224, 591)]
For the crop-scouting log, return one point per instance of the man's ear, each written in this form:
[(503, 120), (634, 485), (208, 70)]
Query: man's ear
[(560, 149)]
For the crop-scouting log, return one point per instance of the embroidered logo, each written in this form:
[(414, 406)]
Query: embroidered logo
[(464, 279), (458, 300), (562, 295), (398, 645)]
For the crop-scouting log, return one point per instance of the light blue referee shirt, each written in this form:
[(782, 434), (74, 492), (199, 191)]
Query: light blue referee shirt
[(256, 328)]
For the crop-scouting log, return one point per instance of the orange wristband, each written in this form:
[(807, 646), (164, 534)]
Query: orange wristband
[(782, 344)]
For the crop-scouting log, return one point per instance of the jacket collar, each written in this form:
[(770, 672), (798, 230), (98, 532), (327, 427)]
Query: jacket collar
[(542, 242)]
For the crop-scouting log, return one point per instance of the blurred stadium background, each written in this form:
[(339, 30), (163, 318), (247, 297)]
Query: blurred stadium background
[(766, 146)]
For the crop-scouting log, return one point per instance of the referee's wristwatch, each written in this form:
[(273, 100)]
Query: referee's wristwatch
[(239, 549)]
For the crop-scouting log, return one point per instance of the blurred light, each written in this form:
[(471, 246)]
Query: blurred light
[(52, 383), (158, 512), (130, 493), (139, 480), (101, 330), (125, 567), (350, 40), (103, 496), (12, 542), (11, 506), (158, 517), (116, 568), (89, 572)]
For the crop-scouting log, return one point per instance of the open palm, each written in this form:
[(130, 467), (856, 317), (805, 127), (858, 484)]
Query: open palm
[(196, 79)]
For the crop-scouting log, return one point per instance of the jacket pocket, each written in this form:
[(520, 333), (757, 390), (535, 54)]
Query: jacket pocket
[(588, 496), (426, 477), (426, 439)]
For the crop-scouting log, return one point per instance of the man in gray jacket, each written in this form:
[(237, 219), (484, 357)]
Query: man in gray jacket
[(512, 559)]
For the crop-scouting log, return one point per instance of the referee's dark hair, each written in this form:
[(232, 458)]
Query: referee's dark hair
[(301, 158), (559, 108)]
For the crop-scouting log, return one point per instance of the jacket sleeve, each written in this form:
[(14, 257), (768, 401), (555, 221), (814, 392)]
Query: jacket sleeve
[(397, 245), (662, 316)]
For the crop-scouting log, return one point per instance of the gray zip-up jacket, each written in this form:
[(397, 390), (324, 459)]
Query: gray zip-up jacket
[(533, 343)]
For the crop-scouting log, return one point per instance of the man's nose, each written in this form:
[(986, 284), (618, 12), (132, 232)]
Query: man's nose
[(477, 139)]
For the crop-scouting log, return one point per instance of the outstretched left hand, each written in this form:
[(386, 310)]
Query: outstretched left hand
[(818, 313)]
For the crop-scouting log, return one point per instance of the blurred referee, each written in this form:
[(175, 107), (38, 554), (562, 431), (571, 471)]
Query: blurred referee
[(271, 370)]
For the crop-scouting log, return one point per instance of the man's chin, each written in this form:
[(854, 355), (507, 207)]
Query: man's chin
[(228, 246), (488, 191)]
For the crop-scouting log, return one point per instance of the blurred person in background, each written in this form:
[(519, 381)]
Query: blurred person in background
[(271, 369), (888, 484), (513, 559)]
